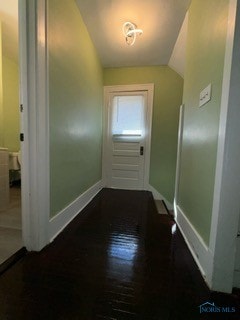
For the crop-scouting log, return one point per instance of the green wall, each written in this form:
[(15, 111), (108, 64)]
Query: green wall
[(75, 84), (11, 117), (168, 88), (9, 101), (205, 59)]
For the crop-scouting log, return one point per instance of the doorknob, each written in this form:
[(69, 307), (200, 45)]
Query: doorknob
[(141, 151)]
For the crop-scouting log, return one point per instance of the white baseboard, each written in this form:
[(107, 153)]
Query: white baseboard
[(158, 196), (64, 217), (196, 245)]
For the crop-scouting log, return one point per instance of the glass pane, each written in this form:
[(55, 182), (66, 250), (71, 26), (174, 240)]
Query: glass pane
[(128, 115)]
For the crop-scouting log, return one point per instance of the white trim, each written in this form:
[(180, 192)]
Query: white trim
[(24, 120), (149, 87), (226, 205), (196, 245), (34, 98), (178, 162), (158, 196), (43, 136), (223, 123), (64, 217)]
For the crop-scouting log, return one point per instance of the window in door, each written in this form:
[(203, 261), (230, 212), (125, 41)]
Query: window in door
[(128, 115)]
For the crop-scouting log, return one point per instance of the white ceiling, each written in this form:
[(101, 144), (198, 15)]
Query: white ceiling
[(160, 20), (178, 57), (9, 19)]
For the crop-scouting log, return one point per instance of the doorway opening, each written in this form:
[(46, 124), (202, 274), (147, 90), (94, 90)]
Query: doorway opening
[(10, 154)]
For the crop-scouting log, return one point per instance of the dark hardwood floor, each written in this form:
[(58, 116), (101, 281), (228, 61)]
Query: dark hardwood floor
[(118, 259)]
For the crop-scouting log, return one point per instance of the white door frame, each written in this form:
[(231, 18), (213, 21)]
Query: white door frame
[(178, 162), (34, 123), (149, 87), (226, 203)]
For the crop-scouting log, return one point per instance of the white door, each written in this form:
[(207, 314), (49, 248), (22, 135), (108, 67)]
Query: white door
[(126, 143)]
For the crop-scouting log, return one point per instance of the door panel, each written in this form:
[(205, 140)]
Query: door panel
[(125, 174), (128, 160), (126, 135), (127, 132)]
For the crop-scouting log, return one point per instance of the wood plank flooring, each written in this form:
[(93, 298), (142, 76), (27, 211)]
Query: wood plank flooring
[(119, 259)]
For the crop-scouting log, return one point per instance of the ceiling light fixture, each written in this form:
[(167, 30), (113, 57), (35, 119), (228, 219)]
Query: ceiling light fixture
[(130, 32)]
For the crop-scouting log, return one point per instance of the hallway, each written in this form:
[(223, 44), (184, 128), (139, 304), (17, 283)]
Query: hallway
[(118, 259)]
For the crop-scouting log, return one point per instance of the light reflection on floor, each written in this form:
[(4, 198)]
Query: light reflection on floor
[(122, 252), (123, 246), (174, 228)]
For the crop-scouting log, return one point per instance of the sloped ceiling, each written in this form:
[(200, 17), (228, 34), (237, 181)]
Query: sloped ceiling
[(160, 20), (178, 57)]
